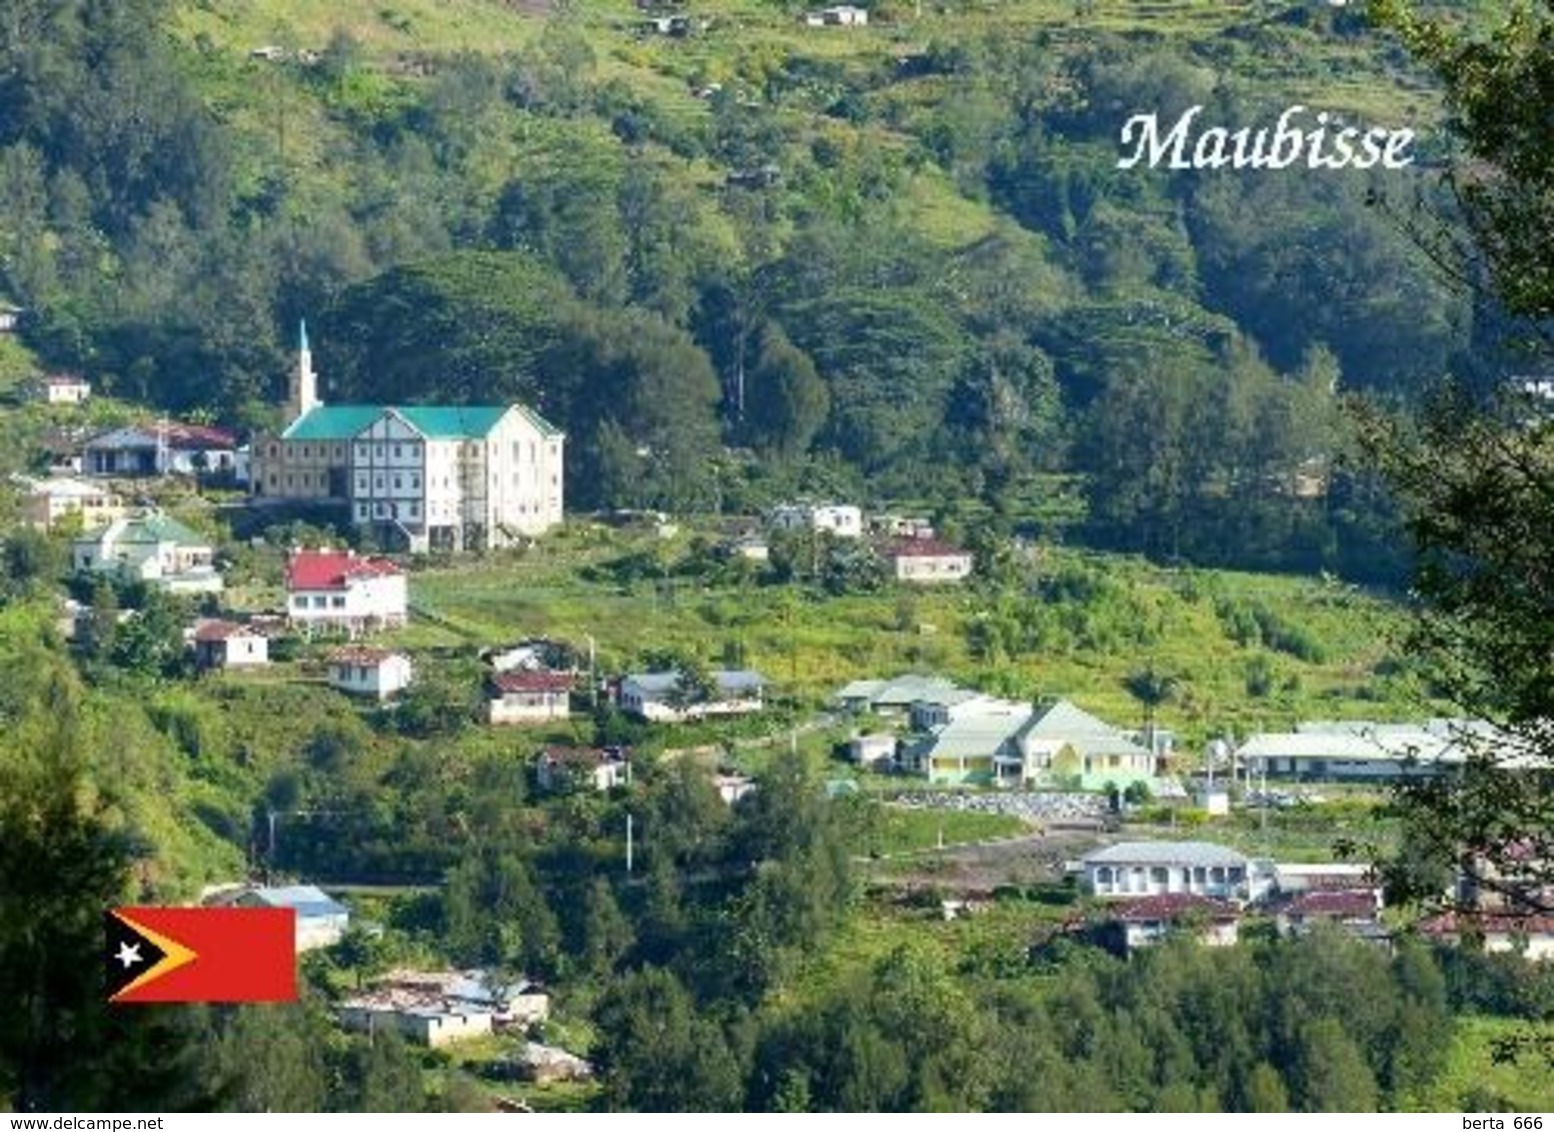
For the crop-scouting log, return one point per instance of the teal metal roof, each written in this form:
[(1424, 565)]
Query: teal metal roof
[(452, 422), (158, 529), (435, 422), (332, 422)]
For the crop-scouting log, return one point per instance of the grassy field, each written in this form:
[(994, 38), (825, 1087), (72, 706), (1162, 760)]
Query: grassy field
[(1475, 1081), (810, 644)]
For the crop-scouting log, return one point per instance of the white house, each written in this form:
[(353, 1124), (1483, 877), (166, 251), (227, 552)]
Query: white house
[(226, 644), (529, 696), (596, 768), (10, 317), (1530, 936), (47, 501), (424, 477), (1153, 868), (378, 673), (437, 1008), (876, 751), (154, 549), (321, 921), (62, 389), (839, 519), (926, 561), (339, 589), (842, 15), (1146, 920), (161, 448), (655, 696)]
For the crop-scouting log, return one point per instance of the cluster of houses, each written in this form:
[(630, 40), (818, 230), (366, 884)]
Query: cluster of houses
[(433, 1008), (952, 735), (957, 736), (907, 545), (436, 1008), (1149, 889), (415, 477)]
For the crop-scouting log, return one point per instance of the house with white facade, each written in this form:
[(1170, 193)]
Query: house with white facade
[(1359, 751), (417, 476), (47, 501), (227, 644), (1153, 868), (61, 389), (877, 751), (321, 920), (529, 696), (581, 768), (841, 15), (161, 448), (1531, 936), (658, 697), (151, 548), (839, 519), (341, 590), (928, 561), (379, 673), (1143, 921), (438, 1008)]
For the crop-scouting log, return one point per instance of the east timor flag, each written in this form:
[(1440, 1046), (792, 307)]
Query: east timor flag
[(201, 954)]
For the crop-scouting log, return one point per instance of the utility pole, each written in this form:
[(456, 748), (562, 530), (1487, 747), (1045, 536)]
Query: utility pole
[(628, 844)]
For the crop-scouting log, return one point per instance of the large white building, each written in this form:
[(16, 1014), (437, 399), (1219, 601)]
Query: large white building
[(420, 477)]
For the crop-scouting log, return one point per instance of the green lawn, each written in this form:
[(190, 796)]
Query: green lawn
[(1474, 1081), (810, 644)]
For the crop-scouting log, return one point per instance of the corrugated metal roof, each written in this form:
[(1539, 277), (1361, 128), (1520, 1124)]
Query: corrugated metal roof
[(1194, 854)]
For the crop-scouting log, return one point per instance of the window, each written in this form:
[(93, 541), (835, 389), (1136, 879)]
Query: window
[(415, 481), (379, 449), (304, 451), (1158, 875), (363, 452), (339, 451), (380, 509), (398, 451), (361, 510), (1103, 875), (361, 483), (318, 601), (298, 602), (415, 510), (288, 479), (337, 601), (399, 482), (274, 450), (378, 482), (274, 479)]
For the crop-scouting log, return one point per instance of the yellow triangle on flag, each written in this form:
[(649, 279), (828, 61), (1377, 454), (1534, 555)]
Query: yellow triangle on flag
[(174, 956)]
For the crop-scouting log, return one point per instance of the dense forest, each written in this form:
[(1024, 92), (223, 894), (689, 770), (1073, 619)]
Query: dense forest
[(910, 271)]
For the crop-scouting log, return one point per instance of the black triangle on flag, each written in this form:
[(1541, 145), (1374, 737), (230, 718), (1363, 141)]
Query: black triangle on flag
[(127, 954)]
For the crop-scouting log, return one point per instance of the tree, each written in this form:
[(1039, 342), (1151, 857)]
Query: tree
[(1151, 688), (787, 400), (66, 853), (1476, 476)]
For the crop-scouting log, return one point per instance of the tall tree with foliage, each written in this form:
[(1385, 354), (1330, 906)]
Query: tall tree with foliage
[(1477, 479)]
